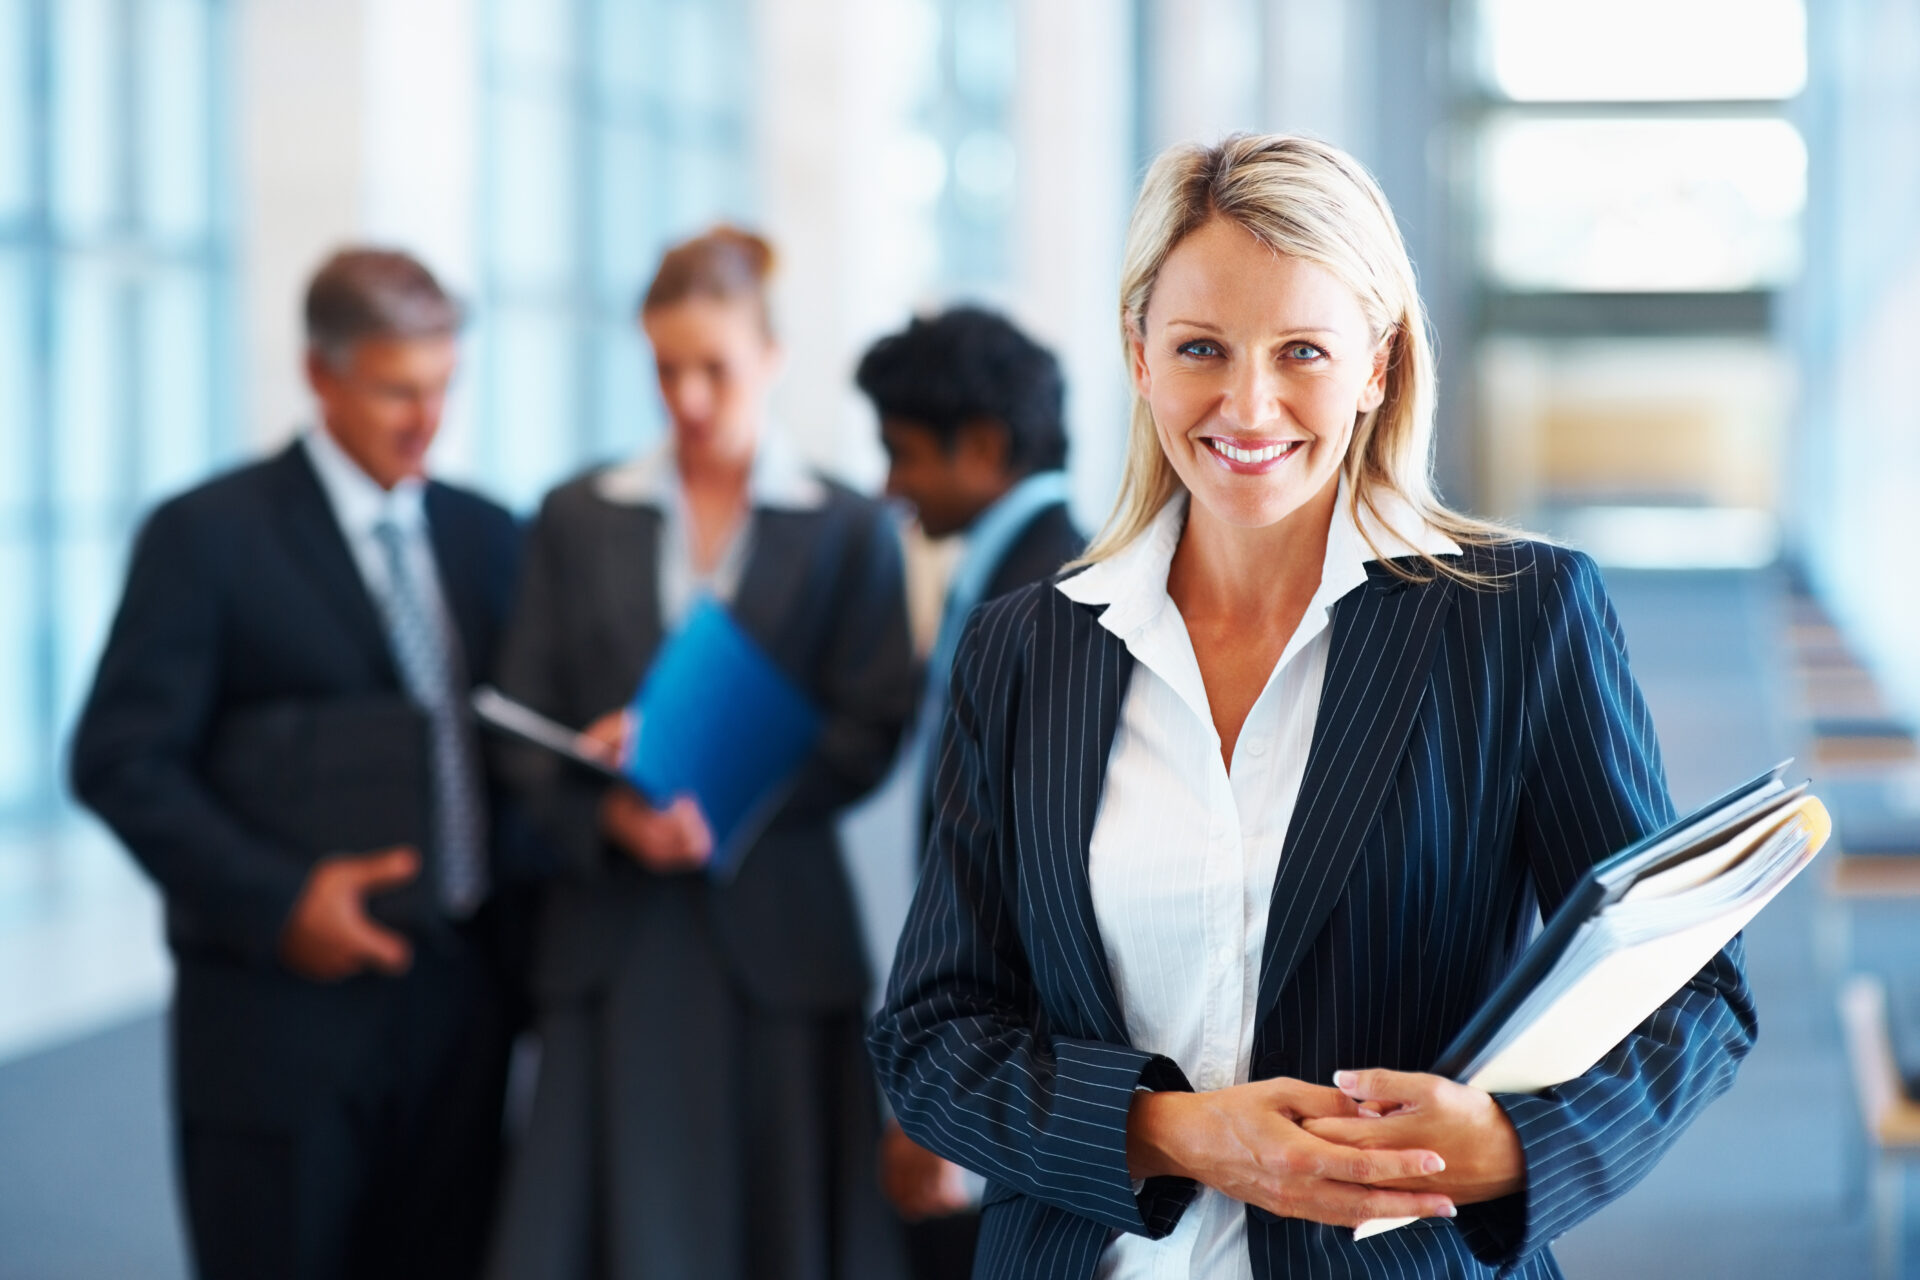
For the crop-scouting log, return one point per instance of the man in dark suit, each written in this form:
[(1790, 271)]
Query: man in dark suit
[(971, 412), (291, 660)]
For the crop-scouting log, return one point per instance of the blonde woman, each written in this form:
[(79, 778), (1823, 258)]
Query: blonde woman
[(1235, 826)]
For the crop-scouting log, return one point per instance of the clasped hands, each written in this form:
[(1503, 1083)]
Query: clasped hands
[(665, 841), (1383, 1144)]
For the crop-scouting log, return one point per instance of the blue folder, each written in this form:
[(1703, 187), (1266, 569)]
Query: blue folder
[(718, 720)]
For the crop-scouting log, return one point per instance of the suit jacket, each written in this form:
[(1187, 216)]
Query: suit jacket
[(822, 592), (1475, 751), (1047, 543), (243, 593)]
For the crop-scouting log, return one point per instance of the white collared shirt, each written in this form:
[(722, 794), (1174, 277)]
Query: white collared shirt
[(1184, 852), (778, 479), (360, 505)]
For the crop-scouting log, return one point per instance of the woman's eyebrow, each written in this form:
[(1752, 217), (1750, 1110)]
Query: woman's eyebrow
[(1294, 330)]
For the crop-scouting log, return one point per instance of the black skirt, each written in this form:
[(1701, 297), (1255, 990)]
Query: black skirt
[(679, 1129)]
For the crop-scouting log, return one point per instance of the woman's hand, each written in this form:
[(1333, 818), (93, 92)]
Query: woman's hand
[(666, 841), (611, 736), (1250, 1142), (1408, 1109)]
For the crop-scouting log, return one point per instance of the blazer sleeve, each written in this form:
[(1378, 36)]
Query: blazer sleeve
[(962, 1043), (865, 677), (143, 727), (561, 803), (1592, 783)]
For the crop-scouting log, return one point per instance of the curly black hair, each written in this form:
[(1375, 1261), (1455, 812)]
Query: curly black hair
[(968, 363)]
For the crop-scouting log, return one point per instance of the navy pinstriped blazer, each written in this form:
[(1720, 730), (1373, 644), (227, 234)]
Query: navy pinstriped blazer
[(1476, 750)]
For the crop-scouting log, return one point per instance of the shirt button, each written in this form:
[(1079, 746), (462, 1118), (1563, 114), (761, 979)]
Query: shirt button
[(1256, 746)]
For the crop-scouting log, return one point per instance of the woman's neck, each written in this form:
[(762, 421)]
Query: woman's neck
[(1251, 577), (713, 476)]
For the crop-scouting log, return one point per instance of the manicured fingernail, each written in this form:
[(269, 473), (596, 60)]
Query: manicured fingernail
[(1433, 1164), (1343, 1079), (1448, 1212)]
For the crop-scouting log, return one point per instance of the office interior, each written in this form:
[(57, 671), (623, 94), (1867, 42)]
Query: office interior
[(1671, 249)]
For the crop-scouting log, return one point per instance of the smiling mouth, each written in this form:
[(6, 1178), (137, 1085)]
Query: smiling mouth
[(1254, 457)]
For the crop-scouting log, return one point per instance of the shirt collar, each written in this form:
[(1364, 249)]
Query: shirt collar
[(1133, 582), (779, 479), (358, 501), (996, 528)]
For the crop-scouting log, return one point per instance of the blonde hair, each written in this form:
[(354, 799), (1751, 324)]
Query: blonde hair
[(1304, 198)]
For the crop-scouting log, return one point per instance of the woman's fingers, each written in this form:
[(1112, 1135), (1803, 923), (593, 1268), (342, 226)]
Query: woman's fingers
[(1387, 1089), (1297, 1098), (1324, 1158), (1348, 1206)]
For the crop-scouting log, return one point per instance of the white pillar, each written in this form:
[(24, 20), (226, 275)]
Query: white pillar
[(1075, 189), (847, 187), (357, 124)]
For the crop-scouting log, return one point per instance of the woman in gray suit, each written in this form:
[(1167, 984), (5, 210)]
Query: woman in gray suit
[(703, 1108)]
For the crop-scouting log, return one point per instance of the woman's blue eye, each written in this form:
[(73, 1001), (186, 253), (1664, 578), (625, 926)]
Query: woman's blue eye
[(1304, 351), (1198, 347)]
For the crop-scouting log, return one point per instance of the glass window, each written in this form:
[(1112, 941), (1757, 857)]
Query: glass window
[(88, 155), (533, 192), (174, 180), (971, 121), (175, 401), (89, 383), (1644, 50), (18, 421), (1647, 205), (630, 413), (586, 184), (533, 37), (19, 706), (532, 353), (110, 333), (16, 114)]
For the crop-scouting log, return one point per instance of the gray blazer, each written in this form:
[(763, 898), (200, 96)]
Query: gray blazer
[(822, 591)]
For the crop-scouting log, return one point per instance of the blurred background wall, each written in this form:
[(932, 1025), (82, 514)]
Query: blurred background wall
[(1671, 249)]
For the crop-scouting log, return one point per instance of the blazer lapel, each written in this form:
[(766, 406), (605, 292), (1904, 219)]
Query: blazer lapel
[(1382, 648), (321, 551), (1078, 692), (629, 590), (784, 545)]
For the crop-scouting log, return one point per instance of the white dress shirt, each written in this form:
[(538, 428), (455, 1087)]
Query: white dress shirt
[(1184, 851), (779, 478), (360, 505)]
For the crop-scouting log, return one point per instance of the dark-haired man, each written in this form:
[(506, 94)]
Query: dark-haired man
[(972, 414), (291, 661)]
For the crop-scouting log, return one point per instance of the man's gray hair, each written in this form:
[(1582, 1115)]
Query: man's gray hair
[(362, 293)]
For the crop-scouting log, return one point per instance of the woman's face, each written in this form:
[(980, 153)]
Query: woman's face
[(1256, 365), (716, 366)]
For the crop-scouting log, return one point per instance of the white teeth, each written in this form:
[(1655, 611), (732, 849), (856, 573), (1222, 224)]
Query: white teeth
[(1267, 454)]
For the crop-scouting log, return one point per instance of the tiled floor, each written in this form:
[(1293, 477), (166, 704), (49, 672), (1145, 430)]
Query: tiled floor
[(1765, 1186)]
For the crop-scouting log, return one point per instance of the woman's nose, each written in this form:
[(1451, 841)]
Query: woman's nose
[(1253, 394)]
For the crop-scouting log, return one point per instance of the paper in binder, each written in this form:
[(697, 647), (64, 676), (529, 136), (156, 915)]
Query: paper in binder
[(1634, 930)]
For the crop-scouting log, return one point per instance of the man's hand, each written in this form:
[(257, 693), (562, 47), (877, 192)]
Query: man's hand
[(1254, 1142), (1411, 1109), (919, 1183), (328, 935), (666, 841)]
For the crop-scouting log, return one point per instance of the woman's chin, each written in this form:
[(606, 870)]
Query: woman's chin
[(1244, 505)]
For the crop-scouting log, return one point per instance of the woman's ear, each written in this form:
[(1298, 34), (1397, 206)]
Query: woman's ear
[(1374, 394), (1137, 361)]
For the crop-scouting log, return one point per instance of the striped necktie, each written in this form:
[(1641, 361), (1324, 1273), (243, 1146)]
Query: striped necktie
[(430, 668)]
